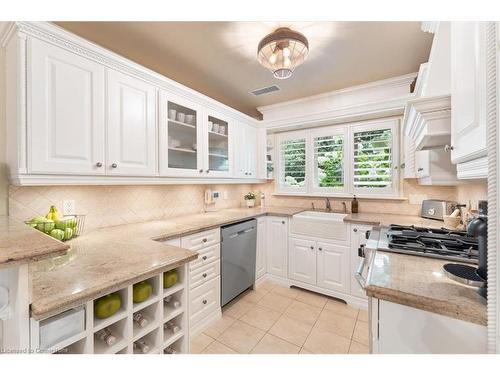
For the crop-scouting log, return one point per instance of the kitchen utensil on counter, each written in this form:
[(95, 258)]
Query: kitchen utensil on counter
[(436, 208), (451, 222)]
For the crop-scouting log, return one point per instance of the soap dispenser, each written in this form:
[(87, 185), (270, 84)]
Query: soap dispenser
[(354, 205)]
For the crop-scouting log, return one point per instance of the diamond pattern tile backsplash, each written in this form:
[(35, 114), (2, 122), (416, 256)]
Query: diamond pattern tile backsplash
[(114, 205)]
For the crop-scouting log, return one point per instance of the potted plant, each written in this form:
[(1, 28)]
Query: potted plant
[(250, 199)]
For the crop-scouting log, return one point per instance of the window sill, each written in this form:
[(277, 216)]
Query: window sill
[(340, 196)]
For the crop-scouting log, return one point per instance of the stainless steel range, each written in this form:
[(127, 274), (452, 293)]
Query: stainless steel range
[(429, 242)]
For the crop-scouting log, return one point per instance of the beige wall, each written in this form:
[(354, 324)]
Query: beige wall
[(3, 167), (473, 193)]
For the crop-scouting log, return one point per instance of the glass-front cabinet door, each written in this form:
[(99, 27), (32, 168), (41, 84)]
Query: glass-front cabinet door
[(181, 137), (218, 154)]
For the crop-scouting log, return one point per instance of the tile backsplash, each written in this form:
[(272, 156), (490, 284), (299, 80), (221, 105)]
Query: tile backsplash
[(115, 205)]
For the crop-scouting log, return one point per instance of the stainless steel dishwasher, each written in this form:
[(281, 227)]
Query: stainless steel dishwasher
[(238, 250)]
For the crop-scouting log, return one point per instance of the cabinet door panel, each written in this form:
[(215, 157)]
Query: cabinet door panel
[(302, 260), (333, 267), (277, 245), (468, 91), (131, 126), (218, 148), (260, 263), (66, 122)]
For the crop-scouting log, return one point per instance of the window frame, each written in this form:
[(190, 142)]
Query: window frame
[(326, 132), (348, 130), (285, 137)]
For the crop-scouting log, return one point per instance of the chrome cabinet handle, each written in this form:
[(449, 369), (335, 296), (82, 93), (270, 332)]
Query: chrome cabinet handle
[(358, 275), (320, 248), (312, 247), (204, 301), (420, 169), (204, 257), (114, 165), (201, 170), (448, 148), (204, 240), (98, 164), (355, 230), (204, 275), (208, 171), (283, 222)]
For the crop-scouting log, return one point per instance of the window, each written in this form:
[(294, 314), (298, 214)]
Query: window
[(340, 160), (328, 162), (292, 163), (372, 160)]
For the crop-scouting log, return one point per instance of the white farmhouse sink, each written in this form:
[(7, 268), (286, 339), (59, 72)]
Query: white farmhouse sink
[(328, 225)]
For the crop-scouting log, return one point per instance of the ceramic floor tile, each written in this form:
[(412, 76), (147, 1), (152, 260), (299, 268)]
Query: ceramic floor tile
[(311, 298), (361, 333), (274, 345), (241, 337), (275, 301), (261, 317), (363, 315), (303, 312), (218, 348), (335, 323), (357, 348), (253, 296), (341, 308), (219, 326), (305, 351), (323, 342), (291, 330), (266, 285), (200, 342), (237, 308), (285, 291)]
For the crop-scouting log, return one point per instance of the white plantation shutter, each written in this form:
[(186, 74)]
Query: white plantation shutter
[(373, 159), (328, 161), (292, 154)]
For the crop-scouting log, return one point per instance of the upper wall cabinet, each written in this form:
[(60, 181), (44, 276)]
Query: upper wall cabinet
[(468, 91), (181, 134), (245, 151), (131, 126), (65, 120), (217, 146)]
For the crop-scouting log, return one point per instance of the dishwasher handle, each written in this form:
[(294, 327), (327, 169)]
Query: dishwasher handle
[(236, 234)]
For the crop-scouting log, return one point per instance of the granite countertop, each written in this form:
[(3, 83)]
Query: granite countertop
[(108, 259), (381, 219), (20, 244), (419, 282)]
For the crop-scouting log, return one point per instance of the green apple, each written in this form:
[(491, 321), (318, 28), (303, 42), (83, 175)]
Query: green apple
[(68, 233), (142, 291), (108, 305), (57, 234), (170, 278), (61, 224)]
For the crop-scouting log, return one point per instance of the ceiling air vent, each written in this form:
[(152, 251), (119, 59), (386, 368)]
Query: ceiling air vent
[(265, 90)]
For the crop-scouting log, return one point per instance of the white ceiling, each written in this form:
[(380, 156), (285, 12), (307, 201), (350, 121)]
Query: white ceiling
[(219, 58)]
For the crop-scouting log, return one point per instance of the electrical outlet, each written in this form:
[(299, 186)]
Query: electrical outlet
[(68, 207)]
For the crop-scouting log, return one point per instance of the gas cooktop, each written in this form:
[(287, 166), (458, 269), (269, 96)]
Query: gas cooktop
[(435, 243)]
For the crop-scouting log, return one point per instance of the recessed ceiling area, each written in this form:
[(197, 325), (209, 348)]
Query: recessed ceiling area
[(219, 60)]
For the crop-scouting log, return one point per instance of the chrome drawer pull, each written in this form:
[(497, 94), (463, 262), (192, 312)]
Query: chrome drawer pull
[(204, 257), (204, 240), (204, 275), (204, 301)]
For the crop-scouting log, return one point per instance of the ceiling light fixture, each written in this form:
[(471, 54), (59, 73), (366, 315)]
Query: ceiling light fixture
[(282, 51)]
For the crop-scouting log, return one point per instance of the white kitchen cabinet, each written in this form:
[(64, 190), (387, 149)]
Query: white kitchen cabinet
[(468, 91), (358, 238), (260, 258), (217, 147), (302, 260), (277, 245), (180, 137), (131, 132), (333, 267), (66, 119), (434, 167), (245, 154), (400, 329)]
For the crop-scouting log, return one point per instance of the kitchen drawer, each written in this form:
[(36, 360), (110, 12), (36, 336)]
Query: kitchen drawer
[(204, 300), (207, 255), (200, 240), (203, 274), (62, 326)]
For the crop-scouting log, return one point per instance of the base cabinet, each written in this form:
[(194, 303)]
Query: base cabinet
[(277, 245), (260, 257), (302, 260), (333, 267)]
